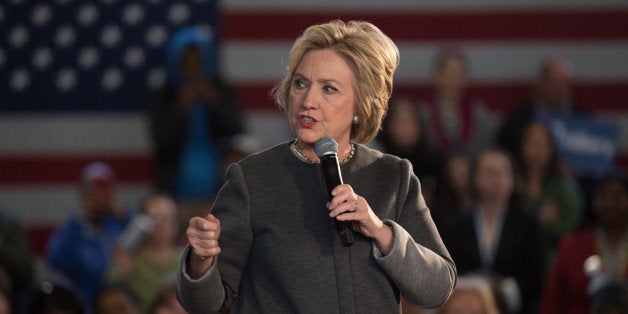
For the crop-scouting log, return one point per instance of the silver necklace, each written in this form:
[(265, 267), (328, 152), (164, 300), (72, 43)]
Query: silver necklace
[(296, 148)]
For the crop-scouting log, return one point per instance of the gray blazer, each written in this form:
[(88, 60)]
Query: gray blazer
[(281, 253)]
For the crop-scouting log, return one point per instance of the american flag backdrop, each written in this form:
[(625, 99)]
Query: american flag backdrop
[(73, 77), (73, 73), (88, 55)]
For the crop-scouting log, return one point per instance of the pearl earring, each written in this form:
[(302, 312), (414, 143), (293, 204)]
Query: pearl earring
[(355, 119)]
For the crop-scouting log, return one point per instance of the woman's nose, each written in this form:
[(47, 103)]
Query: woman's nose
[(308, 99)]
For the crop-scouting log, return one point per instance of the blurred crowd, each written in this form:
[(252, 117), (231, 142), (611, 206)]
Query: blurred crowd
[(528, 232)]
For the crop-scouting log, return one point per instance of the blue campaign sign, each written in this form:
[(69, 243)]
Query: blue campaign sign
[(587, 144)]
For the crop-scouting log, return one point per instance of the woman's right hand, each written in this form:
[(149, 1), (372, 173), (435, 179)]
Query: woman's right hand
[(203, 234)]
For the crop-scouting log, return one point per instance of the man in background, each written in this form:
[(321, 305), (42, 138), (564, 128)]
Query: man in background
[(81, 248)]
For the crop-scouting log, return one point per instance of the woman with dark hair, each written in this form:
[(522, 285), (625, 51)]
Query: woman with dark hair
[(548, 194), (452, 196), (403, 135), (496, 238)]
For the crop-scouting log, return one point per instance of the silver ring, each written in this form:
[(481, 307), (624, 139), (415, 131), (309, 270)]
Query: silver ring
[(357, 206)]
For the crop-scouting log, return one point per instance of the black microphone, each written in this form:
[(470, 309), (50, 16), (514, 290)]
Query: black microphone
[(327, 151)]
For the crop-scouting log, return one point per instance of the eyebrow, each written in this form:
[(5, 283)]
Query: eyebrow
[(322, 80), (331, 81)]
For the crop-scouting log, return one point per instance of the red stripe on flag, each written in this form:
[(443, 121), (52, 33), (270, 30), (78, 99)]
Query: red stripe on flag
[(590, 96), (38, 236), (129, 169), (555, 25), (57, 169)]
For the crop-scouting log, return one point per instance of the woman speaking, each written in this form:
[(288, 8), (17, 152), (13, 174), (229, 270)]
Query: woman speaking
[(271, 243)]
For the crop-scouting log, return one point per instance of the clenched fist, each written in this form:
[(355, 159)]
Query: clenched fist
[(203, 234)]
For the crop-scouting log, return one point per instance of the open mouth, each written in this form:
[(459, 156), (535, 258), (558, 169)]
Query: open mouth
[(306, 121)]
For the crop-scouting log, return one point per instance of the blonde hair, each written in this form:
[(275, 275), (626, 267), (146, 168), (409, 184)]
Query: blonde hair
[(373, 57)]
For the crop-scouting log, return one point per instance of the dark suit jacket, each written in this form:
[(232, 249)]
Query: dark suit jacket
[(520, 253)]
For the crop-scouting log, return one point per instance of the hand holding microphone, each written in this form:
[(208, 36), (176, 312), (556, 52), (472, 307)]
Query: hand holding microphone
[(348, 207), (327, 151), (351, 211)]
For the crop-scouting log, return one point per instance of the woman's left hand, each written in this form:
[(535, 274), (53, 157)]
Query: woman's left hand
[(348, 206)]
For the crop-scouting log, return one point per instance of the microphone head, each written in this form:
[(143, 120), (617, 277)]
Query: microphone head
[(325, 146)]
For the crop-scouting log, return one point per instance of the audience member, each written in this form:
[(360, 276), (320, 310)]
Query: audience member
[(473, 295), (192, 118), (453, 119), (552, 93), (157, 256), (452, 197), (594, 256), (548, 194), (53, 298), (81, 249), (166, 301), (403, 135), (16, 259), (496, 238), (116, 299)]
